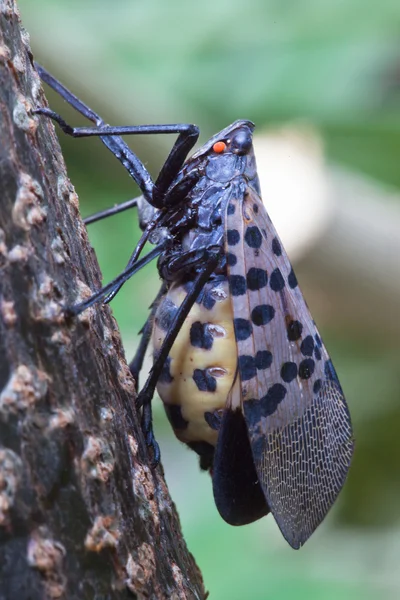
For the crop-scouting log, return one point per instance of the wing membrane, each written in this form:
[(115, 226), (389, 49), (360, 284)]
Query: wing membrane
[(297, 418)]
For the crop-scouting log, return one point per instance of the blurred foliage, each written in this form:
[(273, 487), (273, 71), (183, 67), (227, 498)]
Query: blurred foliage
[(334, 64)]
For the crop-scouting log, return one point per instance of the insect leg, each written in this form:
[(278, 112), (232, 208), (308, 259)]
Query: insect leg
[(211, 258), (136, 363), (135, 254), (109, 212), (72, 311), (187, 137)]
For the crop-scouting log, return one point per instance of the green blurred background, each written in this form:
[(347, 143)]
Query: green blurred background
[(336, 66)]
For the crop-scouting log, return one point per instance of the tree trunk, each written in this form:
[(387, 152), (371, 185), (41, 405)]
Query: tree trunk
[(82, 515)]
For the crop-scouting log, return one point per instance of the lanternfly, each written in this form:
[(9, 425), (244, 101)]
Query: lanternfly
[(238, 361)]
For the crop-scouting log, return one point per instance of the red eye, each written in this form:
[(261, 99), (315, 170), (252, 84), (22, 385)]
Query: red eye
[(219, 147)]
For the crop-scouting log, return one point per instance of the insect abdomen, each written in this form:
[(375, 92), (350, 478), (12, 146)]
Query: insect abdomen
[(199, 371)]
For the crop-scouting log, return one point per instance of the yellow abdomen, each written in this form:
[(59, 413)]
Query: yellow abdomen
[(200, 369)]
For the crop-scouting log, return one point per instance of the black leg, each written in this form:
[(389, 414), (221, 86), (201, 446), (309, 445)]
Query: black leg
[(109, 212), (136, 363), (72, 311), (135, 254), (187, 137), (147, 392)]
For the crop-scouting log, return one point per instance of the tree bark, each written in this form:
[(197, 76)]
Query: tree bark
[(82, 514)]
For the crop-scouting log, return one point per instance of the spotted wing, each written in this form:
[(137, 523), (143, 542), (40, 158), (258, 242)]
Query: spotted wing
[(297, 418)]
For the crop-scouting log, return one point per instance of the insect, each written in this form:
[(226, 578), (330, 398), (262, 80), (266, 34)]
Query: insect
[(238, 361)]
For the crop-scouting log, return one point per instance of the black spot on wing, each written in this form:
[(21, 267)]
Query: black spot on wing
[(276, 247), (232, 237), (318, 340), (294, 330), (306, 368), (237, 285), (255, 410), (276, 281), (317, 386), (204, 381), (288, 371), (253, 237), (330, 372), (243, 329), (262, 314), (231, 209), (292, 279), (255, 208), (165, 314), (200, 336), (256, 279), (263, 359), (307, 346), (272, 399), (247, 367), (317, 353), (231, 259)]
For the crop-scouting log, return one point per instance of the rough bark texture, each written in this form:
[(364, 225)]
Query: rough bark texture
[(82, 515)]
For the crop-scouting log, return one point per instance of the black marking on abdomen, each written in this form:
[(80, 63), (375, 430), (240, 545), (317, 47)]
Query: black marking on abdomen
[(174, 414), (208, 300), (213, 419), (204, 381), (200, 336), (165, 314)]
